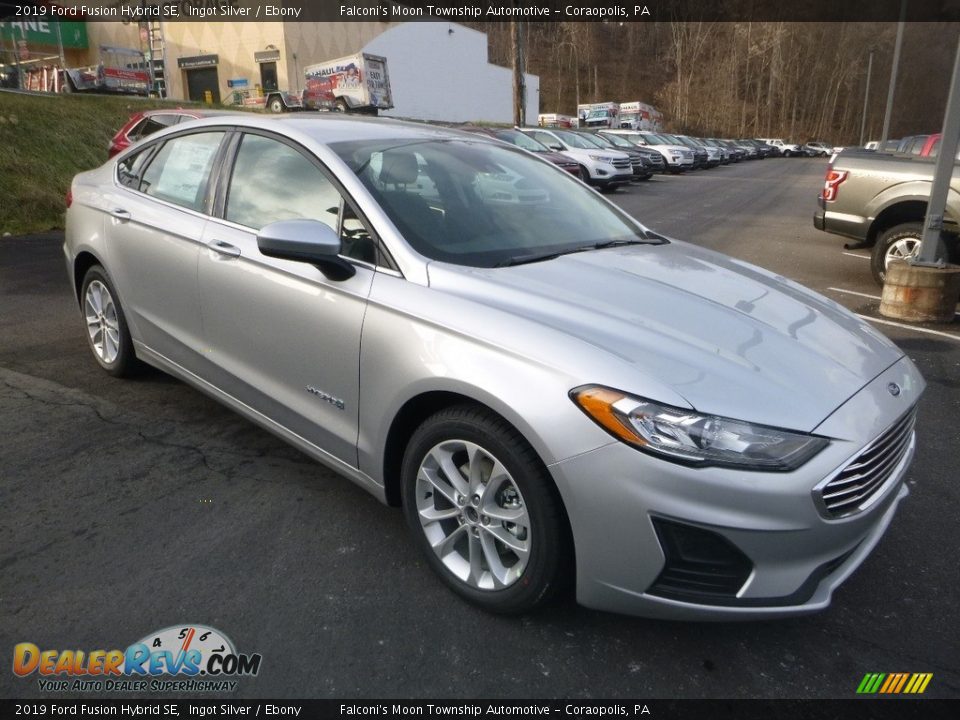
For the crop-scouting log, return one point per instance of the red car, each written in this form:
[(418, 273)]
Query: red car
[(147, 122)]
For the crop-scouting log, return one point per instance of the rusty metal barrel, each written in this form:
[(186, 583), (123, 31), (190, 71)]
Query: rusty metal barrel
[(920, 294)]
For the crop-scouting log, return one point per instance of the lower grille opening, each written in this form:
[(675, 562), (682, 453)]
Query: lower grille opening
[(701, 566), (704, 567)]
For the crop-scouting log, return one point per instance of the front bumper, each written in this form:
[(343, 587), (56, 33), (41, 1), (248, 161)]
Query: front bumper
[(616, 496)]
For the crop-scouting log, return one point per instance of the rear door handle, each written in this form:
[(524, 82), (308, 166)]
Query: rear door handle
[(224, 248), (121, 214)]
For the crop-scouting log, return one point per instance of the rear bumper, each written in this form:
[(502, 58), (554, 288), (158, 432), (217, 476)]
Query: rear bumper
[(819, 220)]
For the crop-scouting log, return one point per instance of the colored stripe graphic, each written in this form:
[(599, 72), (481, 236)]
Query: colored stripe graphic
[(894, 683)]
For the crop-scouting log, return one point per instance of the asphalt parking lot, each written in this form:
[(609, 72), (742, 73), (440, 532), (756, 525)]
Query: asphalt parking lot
[(131, 506)]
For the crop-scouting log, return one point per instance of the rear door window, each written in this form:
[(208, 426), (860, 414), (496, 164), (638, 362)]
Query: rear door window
[(180, 171)]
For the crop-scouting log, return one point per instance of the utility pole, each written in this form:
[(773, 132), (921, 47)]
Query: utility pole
[(893, 73), (866, 99), (519, 85)]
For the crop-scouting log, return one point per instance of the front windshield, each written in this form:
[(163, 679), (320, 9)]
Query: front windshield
[(654, 139), (595, 140), (521, 140), (480, 204), (618, 141), (574, 140)]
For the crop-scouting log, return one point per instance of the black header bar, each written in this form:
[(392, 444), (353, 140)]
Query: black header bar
[(620, 11)]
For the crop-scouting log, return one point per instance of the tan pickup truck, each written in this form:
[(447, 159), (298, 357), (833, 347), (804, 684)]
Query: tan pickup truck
[(880, 201)]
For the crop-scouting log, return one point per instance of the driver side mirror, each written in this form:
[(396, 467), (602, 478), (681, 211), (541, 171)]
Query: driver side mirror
[(557, 147), (308, 241)]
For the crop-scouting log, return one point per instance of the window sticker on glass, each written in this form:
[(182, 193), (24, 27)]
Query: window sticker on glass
[(180, 171)]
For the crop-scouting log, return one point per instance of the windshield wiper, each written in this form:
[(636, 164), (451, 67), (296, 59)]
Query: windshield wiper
[(524, 259), (652, 239)]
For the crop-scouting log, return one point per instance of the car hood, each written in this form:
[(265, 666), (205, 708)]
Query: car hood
[(730, 338), (581, 152), (672, 148)]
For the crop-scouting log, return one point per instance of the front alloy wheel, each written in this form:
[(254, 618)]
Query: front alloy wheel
[(473, 515), (484, 510)]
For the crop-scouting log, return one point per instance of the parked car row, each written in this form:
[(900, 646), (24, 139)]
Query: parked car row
[(609, 158)]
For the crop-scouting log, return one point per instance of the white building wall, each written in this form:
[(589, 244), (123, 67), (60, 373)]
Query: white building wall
[(439, 71)]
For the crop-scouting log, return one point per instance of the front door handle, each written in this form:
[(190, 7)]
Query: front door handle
[(224, 248), (121, 214)]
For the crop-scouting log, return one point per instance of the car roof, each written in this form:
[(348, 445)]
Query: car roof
[(328, 127), (193, 112)]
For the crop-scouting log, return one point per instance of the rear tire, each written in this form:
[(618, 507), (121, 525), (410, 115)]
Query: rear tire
[(276, 105), (484, 510), (107, 333), (899, 242), (584, 174)]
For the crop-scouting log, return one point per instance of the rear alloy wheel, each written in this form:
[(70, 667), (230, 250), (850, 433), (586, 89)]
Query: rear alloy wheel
[(484, 510), (107, 330), (900, 242)]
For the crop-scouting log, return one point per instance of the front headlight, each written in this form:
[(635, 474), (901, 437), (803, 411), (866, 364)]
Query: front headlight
[(601, 158), (694, 438)]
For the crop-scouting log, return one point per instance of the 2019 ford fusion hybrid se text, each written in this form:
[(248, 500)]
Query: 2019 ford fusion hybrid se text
[(551, 391)]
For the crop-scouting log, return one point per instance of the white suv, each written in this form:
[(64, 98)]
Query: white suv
[(677, 157), (785, 149), (607, 169)]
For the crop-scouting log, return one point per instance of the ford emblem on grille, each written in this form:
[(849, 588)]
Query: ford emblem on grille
[(894, 389)]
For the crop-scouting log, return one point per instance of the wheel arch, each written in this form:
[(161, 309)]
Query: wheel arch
[(421, 406), (81, 263), (405, 423), (909, 209)]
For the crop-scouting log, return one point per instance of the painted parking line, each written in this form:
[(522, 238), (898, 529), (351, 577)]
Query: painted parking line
[(926, 331), (857, 255), (854, 292)]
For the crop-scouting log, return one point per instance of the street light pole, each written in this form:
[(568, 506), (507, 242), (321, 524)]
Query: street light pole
[(866, 99), (893, 73)]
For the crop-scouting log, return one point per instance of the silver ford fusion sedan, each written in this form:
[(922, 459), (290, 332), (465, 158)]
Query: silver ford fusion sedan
[(552, 392)]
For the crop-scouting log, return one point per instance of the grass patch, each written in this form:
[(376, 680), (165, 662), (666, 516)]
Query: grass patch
[(47, 139)]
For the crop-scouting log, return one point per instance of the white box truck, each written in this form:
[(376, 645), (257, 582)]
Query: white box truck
[(599, 115), (356, 83), (637, 115)]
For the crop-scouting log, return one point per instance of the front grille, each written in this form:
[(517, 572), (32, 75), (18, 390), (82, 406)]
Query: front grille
[(852, 488), (622, 163), (686, 154)]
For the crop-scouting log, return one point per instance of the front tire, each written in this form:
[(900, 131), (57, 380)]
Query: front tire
[(277, 106), (107, 331), (484, 510)]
